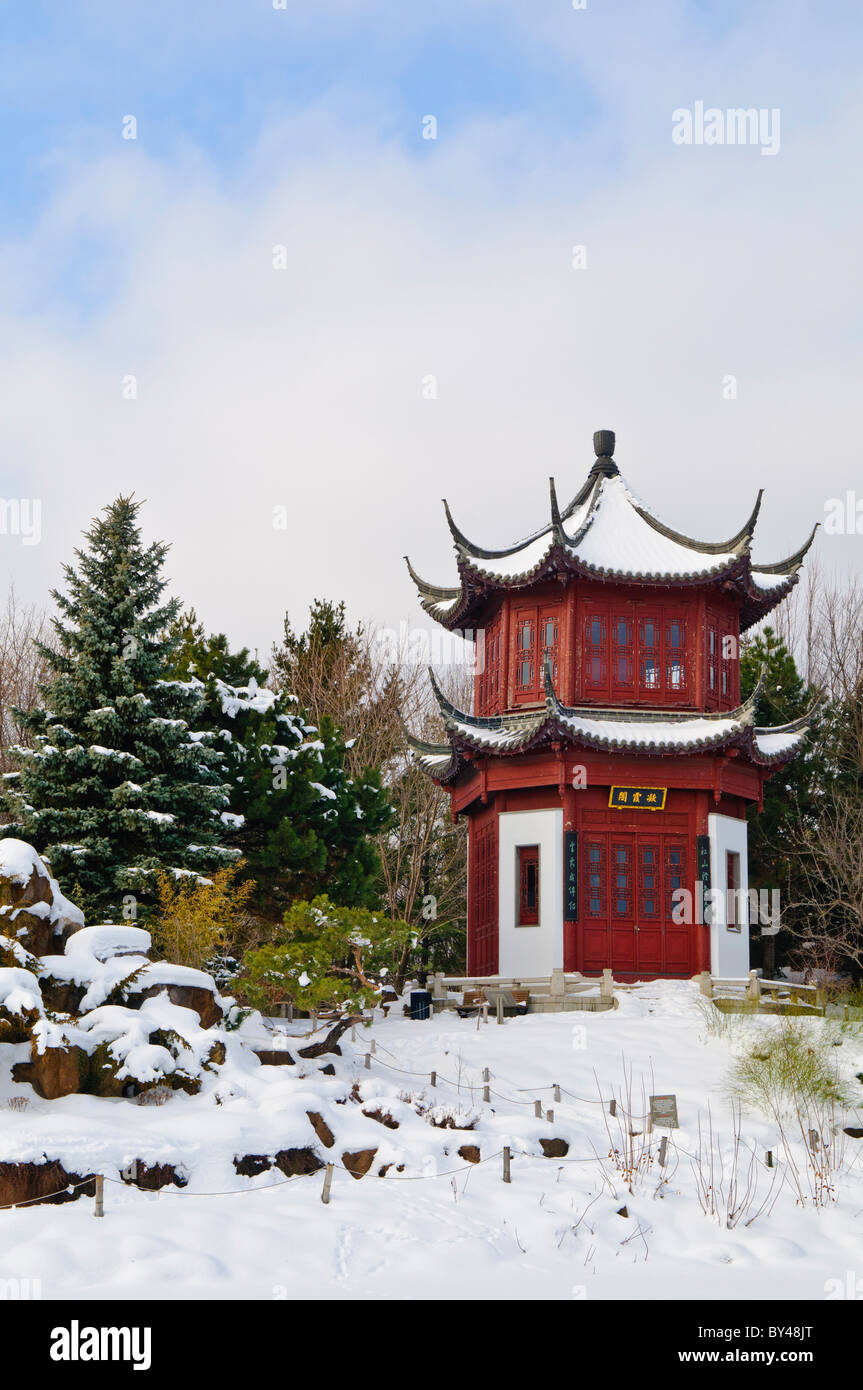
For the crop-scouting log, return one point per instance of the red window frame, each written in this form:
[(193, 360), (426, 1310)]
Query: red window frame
[(649, 882), (621, 896), (489, 679), (528, 886), (549, 621), (675, 663), (713, 658), (595, 897), (674, 870), (525, 655), (650, 654), (623, 654), (482, 900), (596, 652), (529, 656)]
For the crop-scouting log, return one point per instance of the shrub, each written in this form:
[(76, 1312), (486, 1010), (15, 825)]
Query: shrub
[(323, 959), (194, 917), (785, 1069)]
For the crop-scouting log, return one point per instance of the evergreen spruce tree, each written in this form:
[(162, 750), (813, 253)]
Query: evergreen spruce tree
[(117, 788), (308, 826), (790, 795), (198, 654)]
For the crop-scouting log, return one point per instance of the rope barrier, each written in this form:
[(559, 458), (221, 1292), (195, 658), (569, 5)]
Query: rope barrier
[(511, 1100), (411, 1177), (28, 1201), (229, 1192)]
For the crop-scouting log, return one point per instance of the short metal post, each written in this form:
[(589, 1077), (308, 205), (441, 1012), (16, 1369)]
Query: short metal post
[(500, 1008), (373, 1046), (556, 1091), (486, 1093), (663, 1150), (769, 1158), (368, 1061), (506, 1158), (434, 1078), (99, 1209), (328, 1182), (537, 1109), (612, 1106)]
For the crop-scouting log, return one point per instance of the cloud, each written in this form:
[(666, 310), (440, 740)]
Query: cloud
[(303, 387)]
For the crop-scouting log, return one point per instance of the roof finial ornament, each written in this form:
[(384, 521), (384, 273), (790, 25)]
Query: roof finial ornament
[(603, 445)]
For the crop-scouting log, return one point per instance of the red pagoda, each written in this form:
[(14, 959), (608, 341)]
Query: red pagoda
[(608, 761)]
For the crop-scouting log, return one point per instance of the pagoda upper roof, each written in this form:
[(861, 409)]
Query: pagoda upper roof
[(607, 533), (616, 730)]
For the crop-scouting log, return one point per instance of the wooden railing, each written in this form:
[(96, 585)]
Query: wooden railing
[(754, 988), (557, 984)]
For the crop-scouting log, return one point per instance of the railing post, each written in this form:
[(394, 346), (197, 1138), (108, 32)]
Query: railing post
[(506, 1160), (99, 1194), (328, 1182)]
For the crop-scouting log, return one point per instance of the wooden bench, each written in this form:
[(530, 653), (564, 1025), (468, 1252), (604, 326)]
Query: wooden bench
[(515, 1001)]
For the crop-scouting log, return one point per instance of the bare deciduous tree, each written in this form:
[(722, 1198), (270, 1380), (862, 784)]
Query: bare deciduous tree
[(22, 669), (829, 910)]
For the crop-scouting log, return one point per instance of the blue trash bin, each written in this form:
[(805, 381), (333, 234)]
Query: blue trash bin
[(420, 1003)]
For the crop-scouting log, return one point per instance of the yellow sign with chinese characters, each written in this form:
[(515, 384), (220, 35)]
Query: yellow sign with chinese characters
[(637, 798)]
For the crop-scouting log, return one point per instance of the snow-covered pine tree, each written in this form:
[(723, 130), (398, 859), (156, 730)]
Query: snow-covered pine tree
[(308, 826), (117, 787)]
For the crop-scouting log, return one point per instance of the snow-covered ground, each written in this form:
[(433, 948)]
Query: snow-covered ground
[(554, 1232)]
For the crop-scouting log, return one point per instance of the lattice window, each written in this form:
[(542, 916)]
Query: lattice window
[(595, 652), (525, 655), (528, 885), (729, 645), (622, 662), (675, 655), (621, 881), (649, 868), (483, 899), (675, 873), (649, 655), (549, 636), (491, 677), (594, 878)]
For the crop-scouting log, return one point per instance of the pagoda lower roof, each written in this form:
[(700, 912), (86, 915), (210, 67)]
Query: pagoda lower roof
[(613, 730), (606, 533)]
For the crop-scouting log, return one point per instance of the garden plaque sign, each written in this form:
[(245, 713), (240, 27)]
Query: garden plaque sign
[(663, 1111)]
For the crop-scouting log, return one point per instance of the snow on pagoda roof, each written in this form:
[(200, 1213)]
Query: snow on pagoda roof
[(621, 730), (607, 533)]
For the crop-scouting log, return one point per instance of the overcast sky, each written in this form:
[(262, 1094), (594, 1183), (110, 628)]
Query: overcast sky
[(406, 258)]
